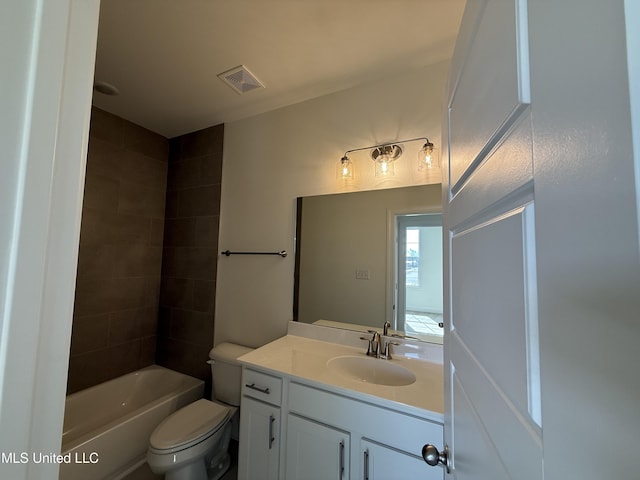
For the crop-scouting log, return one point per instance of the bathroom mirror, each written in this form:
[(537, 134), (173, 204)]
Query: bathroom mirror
[(363, 258)]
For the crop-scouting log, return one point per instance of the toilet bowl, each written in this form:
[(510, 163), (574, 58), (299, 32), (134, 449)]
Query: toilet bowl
[(180, 445), (192, 443)]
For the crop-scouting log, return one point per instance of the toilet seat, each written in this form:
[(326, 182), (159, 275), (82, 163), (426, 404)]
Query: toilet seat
[(188, 426)]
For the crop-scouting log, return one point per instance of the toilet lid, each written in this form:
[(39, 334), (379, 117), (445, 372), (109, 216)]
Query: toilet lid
[(190, 424)]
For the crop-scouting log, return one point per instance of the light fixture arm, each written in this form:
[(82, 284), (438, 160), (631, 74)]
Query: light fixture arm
[(386, 144)]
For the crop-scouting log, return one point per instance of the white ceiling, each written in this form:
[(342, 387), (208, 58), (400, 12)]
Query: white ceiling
[(164, 55)]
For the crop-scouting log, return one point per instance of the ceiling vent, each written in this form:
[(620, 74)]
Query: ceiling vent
[(240, 79)]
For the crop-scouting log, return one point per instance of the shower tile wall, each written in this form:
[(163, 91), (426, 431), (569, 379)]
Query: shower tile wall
[(120, 257), (190, 257)]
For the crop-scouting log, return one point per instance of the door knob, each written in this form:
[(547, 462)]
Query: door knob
[(433, 457)]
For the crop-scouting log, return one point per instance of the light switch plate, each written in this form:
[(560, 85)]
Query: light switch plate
[(362, 274)]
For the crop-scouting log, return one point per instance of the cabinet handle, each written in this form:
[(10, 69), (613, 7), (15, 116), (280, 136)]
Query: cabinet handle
[(272, 419), (259, 389), (341, 458), (366, 465)]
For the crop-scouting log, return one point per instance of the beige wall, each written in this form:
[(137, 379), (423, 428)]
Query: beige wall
[(271, 159)]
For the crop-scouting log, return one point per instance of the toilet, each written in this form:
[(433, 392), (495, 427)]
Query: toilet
[(192, 443)]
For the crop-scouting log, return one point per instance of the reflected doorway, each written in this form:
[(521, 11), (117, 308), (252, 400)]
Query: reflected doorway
[(419, 294)]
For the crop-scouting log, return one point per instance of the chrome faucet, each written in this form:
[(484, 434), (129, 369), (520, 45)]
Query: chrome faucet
[(385, 328), (377, 347)]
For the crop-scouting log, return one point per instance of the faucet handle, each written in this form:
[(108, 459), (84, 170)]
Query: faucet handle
[(387, 353), (370, 344), (376, 343)]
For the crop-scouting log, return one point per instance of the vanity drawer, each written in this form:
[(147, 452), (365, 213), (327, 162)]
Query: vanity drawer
[(262, 386)]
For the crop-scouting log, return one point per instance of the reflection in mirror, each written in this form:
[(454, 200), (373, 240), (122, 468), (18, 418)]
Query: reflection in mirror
[(364, 258), (419, 274)]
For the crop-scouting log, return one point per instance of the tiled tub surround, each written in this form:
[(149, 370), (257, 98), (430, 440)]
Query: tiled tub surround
[(138, 303), (120, 256), (190, 253)]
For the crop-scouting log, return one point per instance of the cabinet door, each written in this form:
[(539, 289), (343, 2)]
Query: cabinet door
[(259, 450), (379, 462), (315, 451)]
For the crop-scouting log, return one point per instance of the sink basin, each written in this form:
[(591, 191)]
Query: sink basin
[(371, 370)]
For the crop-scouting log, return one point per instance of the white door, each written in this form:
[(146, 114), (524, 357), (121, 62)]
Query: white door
[(494, 423), (541, 245)]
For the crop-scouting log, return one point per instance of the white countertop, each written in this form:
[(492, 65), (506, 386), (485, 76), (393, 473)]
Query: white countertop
[(306, 359)]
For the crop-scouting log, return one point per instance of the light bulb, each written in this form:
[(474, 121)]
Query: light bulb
[(426, 156), (384, 167), (427, 159), (344, 169)]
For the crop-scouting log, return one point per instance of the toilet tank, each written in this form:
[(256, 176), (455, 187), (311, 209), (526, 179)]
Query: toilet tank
[(226, 372)]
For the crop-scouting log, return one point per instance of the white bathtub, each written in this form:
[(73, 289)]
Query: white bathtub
[(107, 427)]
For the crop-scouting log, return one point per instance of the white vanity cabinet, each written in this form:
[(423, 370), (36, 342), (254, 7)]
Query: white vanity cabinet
[(328, 433), (259, 455)]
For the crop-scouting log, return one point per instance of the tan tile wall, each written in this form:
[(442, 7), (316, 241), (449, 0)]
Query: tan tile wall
[(190, 252), (147, 263), (120, 257)]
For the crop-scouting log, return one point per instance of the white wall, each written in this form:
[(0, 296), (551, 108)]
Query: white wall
[(271, 159), (588, 264)]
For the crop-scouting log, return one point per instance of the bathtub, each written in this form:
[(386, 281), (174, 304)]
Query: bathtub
[(107, 427)]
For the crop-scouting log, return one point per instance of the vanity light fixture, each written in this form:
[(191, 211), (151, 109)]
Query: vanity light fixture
[(384, 157)]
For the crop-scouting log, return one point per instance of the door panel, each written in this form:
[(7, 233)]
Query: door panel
[(508, 431), (493, 345), (507, 170), (492, 85), (482, 457), (489, 263)]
